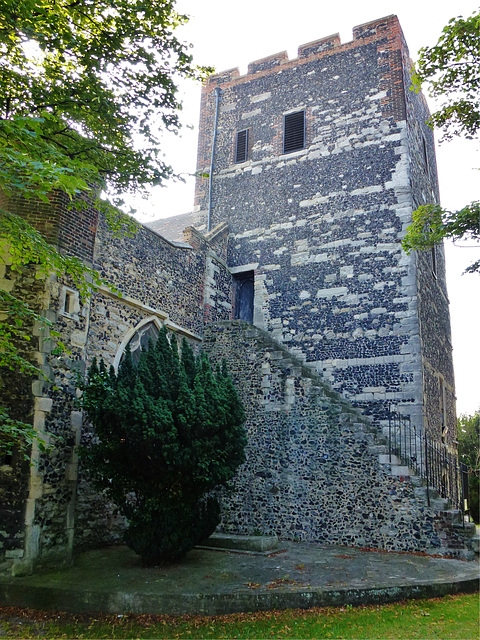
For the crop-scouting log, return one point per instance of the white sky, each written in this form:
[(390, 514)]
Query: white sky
[(226, 35)]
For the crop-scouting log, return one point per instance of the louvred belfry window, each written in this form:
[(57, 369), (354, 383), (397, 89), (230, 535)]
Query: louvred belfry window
[(294, 132), (241, 149)]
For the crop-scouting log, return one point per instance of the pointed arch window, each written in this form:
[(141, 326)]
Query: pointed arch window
[(140, 339), (137, 339)]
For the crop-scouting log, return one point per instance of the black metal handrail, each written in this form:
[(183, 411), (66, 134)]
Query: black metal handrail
[(430, 459)]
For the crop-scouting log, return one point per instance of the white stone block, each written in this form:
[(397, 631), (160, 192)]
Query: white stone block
[(261, 97), (334, 291), (251, 114), (385, 458), (43, 404), (76, 419), (14, 553)]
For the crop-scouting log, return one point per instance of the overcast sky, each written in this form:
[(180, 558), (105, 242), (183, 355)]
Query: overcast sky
[(226, 35)]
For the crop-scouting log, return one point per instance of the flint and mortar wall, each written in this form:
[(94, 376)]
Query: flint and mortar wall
[(171, 284), (312, 471), (180, 286), (432, 298), (322, 226), (44, 506), (18, 397)]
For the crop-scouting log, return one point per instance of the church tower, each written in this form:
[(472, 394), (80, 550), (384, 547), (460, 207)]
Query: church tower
[(316, 164)]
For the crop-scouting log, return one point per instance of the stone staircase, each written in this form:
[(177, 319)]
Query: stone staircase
[(317, 469), (457, 538)]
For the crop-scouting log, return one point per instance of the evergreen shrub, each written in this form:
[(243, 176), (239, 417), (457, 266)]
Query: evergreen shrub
[(167, 432)]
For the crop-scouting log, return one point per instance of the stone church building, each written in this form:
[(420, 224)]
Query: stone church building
[(290, 267)]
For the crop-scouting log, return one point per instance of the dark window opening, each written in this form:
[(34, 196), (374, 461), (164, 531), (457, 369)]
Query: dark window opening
[(244, 295), (6, 460), (241, 149), (294, 132), (69, 302), (434, 260), (425, 156), (443, 409)]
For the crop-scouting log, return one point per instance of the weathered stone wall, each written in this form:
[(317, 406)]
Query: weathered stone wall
[(17, 396), (71, 229), (433, 305), (321, 229), (44, 502), (152, 280), (322, 226), (177, 285), (312, 470)]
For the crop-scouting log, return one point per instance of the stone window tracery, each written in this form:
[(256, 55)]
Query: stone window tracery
[(139, 340)]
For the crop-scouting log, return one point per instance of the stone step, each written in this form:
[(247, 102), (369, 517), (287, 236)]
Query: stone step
[(468, 529), (454, 515), (462, 554), (400, 470), (386, 458), (369, 437), (474, 544), (377, 449), (421, 492), (239, 542), (439, 504), (364, 425), (417, 481)]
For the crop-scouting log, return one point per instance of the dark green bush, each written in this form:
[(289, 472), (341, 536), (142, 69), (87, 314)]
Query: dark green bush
[(166, 433)]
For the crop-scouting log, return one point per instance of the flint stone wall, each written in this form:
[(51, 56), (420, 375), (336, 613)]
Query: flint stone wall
[(54, 508), (322, 226), (311, 472)]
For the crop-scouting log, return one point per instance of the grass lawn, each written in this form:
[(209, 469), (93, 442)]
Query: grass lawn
[(455, 617)]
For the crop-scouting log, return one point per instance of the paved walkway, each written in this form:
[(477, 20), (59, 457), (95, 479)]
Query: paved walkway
[(217, 581)]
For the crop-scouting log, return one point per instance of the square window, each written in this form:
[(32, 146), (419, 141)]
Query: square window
[(69, 302), (294, 132)]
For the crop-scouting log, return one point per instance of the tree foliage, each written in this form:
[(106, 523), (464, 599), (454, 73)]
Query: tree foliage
[(451, 69), (166, 433), (431, 224), (468, 429), (86, 90)]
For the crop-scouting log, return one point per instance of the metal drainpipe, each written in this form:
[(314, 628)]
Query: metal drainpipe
[(218, 93)]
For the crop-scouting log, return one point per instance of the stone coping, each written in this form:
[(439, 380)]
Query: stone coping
[(227, 541)]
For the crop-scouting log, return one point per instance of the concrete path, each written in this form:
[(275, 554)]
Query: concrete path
[(213, 582)]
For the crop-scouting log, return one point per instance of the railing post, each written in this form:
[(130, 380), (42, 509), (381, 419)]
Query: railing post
[(465, 488), (415, 448), (426, 468), (390, 433)]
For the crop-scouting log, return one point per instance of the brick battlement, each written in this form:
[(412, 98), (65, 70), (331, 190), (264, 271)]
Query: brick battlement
[(388, 26)]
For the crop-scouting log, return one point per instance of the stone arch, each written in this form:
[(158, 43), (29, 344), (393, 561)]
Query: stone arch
[(138, 337)]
